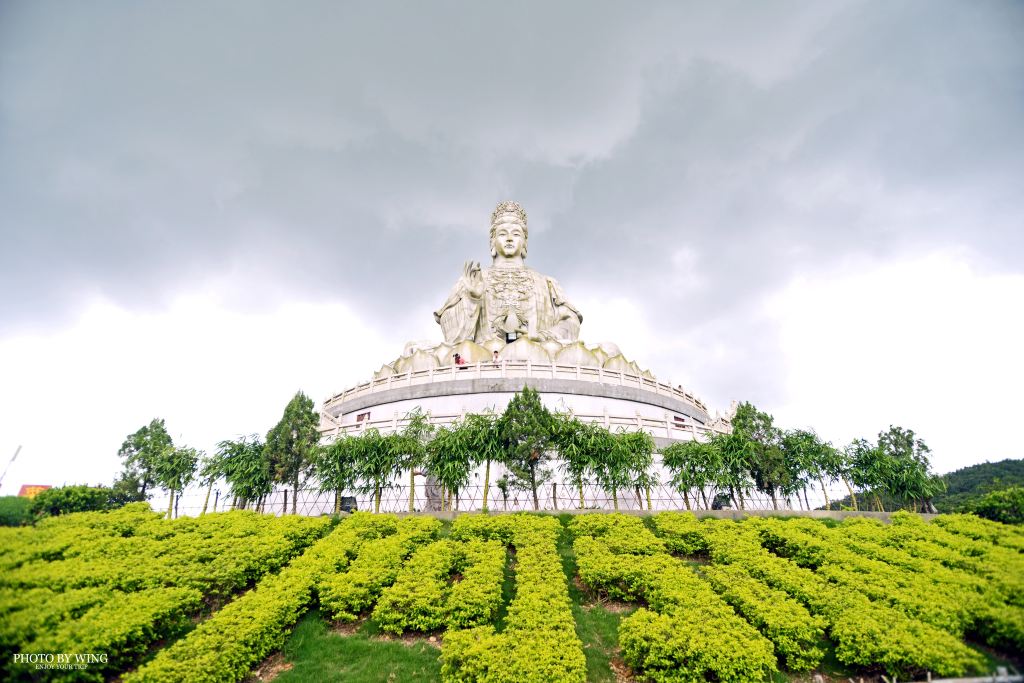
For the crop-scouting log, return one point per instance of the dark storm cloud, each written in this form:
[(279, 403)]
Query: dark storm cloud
[(691, 158)]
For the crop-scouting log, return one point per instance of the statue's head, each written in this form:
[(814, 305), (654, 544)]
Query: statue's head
[(508, 231)]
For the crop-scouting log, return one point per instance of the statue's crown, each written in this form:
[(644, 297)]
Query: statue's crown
[(509, 208)]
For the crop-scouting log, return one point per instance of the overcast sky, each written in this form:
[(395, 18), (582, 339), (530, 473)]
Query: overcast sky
[(204, 207)]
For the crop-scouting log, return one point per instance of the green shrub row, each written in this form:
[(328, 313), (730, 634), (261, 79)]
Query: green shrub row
[(93, 565), (796, 635), (689, 633), (866, 633), (122, 628), (227, 645), (539, 643), (975, 527), (425, 596), (346, 595)]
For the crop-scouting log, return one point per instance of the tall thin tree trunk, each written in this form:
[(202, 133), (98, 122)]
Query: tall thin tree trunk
[(451, 492), (554, 494), (487, 482), (284, 506), (337, 502), (853, 497), (170, 505), (639, 498), (216, 497), (533, 485), (648, 491), (878, 501), (742, 506), (376, 499), (295, 498), (412, 489), (732, 494), (775, 502), (443, 493), (206, 501), (582, 504), (821, 480), (177, 499), (615, 497), (807, 501), (704, 496), (686, 499)]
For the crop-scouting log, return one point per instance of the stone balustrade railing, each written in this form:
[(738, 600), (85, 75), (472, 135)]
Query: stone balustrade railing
[(667, 428), (516, 369)]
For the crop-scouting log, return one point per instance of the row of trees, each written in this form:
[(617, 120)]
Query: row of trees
[(528, 440), (759, 456)]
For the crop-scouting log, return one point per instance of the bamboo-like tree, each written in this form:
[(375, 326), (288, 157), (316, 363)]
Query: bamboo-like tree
[(580, 446), (409, 448), (246, 468), (694, 466), (210, 470), (377, 462), (174, 471), (336, 467), (449, 459), (763, 448), (484, 443)]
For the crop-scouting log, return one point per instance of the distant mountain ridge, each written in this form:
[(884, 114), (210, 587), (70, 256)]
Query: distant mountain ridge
[(977, 480)]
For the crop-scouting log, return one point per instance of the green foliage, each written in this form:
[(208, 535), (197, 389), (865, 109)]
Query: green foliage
[(15, 511), (143, 451), (62, 500), (967, 483), (226, 646), (694, 465), (689, 633), (526, 429), (1006, 506), (292, 442), (539, 642), (246, 467), (345, 596), (450, 455), (116, 582)]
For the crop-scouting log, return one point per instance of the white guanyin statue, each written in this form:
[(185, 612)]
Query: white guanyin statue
[(508, 300)]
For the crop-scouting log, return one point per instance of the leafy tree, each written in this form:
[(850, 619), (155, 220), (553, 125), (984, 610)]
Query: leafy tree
[(64, 500), (907, 466), (639, 447), (377, 462), (526, 431), (1006, 506), (15, 511), (127, 488), (734, 465), (246, 468), (485, 445), (867, 470), (211, 469), (580, 445), (622, 462), (175, 470), (694, 465), (410, 446), (763, 450), (336, 467), (449, 459), (503, 483), (142, 451), (291, 443)]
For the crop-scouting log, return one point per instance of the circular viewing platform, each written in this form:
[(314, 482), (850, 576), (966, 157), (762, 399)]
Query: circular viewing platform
[(617, 399)]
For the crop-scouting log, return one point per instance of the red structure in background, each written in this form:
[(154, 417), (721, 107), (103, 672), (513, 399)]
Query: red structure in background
[(31, 490)]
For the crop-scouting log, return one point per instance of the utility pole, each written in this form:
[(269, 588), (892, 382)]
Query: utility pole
[(13, 458)]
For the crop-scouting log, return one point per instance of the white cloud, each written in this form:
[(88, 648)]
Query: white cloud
[(930, 344), (70, 397)]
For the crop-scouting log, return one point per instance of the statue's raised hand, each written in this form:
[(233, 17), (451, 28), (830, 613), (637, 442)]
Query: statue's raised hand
[(473, 279)]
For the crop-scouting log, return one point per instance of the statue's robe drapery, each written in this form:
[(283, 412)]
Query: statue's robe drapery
[(517, 301)]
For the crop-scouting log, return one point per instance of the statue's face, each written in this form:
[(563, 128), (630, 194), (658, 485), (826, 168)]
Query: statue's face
[(509, 239)]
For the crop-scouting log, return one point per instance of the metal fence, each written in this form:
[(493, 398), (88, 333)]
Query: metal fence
[(552, 496)]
